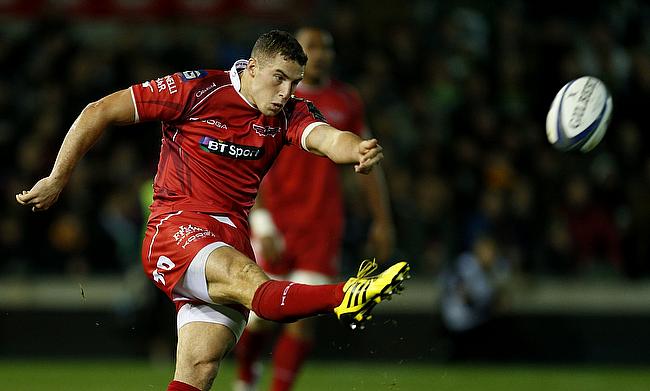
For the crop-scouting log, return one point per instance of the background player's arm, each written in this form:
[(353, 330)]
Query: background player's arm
[(344, 147), (114, 109), (347, 147), (381, 234)]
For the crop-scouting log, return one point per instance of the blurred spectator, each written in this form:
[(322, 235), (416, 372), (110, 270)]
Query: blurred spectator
[(473, 293)]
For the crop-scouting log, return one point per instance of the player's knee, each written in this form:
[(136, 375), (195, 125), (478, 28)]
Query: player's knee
[(254, 270), (230, 264), (251, 272), (232, 277)]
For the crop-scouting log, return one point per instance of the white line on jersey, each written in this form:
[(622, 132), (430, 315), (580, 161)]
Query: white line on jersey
[(207, 96)]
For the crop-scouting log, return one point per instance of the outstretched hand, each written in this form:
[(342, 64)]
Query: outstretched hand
[(370, 153), (42, 195)]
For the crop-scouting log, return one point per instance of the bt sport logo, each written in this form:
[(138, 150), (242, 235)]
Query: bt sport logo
[(230, 150)]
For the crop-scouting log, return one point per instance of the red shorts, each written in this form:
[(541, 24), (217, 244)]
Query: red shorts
[(172, 241), (315, 251)]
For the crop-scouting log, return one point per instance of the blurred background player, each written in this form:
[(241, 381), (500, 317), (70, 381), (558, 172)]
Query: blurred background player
[(299, 217)]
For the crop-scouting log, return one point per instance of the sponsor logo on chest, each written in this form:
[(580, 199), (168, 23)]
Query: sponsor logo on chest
[(266, 130), (231, 150), (202, 91), (211, 122)]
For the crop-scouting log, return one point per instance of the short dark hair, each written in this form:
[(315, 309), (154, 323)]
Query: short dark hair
[(274, 42)]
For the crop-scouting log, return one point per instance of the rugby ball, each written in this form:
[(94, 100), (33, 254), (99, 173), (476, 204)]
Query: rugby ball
[(579, 115)]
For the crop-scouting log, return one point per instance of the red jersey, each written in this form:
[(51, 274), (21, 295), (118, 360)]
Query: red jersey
[(216, 146), (312, 181)]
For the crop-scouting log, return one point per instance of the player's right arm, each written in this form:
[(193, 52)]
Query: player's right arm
[(114, 109)]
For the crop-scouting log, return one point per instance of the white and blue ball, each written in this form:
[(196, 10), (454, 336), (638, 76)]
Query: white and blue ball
[(579, 115)]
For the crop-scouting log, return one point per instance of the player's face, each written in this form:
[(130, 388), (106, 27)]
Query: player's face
[(274, 83), (318, 47)]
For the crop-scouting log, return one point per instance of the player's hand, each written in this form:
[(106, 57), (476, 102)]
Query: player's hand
[(271, 248), (370, 154), (43, 195), (382, 239)]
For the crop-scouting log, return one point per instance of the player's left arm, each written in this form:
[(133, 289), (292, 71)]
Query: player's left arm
[(344, 147)]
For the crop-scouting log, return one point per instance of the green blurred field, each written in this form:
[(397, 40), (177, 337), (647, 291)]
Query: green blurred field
[(137, 375)]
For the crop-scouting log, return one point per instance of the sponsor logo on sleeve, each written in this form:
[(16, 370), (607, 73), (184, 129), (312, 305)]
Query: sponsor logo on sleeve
[(166, 83), (266, 130), (191, 75), (230, 150)]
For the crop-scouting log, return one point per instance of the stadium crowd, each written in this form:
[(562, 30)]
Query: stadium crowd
[(457, 95)]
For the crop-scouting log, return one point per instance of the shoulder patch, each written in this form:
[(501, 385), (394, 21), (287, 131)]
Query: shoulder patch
[(314, 111), (191, 75)]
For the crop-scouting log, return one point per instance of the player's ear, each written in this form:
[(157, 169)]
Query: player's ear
[(252, 66)]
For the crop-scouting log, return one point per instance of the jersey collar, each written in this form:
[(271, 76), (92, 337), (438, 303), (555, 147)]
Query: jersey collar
[(238, 67)]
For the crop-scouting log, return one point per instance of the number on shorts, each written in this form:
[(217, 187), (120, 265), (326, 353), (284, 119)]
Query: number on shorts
[(164, 264)]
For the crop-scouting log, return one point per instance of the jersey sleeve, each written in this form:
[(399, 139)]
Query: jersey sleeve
[(302, 119), (166, 98)]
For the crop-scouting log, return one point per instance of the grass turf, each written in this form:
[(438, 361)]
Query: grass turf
[(26, 375)]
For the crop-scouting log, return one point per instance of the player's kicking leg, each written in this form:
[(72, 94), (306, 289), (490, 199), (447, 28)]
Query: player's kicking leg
[(233, 277)]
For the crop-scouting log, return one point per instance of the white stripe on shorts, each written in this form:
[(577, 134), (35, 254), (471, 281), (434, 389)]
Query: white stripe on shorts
[(153, 239)]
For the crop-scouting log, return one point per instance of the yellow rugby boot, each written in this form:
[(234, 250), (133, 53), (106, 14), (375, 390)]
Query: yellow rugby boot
[(364, 292)]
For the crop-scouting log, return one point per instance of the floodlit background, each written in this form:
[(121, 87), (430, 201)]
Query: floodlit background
[(456, 92)]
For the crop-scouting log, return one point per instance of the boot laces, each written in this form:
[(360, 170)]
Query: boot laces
[(367, 266)]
